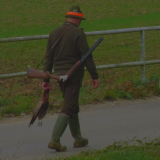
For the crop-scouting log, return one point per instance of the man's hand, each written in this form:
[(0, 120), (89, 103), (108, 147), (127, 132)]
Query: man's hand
[(46, 86), (95, 83)]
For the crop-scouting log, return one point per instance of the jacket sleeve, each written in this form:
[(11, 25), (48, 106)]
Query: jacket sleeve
[(82, 44), (48, 65)]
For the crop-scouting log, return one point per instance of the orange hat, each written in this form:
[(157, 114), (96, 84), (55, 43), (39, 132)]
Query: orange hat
[(75, 12)]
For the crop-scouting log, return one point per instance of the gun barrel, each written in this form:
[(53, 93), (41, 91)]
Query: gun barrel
[(91, 49)]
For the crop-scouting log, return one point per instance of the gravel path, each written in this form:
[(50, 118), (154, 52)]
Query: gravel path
[(102, 123)]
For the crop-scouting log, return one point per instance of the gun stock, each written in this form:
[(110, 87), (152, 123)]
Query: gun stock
[(33, 73)]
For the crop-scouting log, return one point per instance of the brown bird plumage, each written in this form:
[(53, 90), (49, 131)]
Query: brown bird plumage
[(41, 109)]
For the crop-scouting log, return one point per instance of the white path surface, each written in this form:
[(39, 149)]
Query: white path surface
[(102, 124)]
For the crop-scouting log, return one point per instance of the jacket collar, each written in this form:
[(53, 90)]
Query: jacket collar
[(69, 23)]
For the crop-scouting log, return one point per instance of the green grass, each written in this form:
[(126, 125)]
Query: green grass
[(40, 17), (18, 105), (32, 17), (122, 150)]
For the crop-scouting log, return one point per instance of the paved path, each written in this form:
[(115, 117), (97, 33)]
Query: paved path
[(101, 123)]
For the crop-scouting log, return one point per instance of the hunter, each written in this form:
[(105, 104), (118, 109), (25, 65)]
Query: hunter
[(72, 46)]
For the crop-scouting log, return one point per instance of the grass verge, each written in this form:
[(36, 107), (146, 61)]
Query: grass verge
[(27, 96), (121, 151)]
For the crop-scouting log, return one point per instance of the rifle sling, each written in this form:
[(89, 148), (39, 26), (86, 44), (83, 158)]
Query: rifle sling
[(58, 40)]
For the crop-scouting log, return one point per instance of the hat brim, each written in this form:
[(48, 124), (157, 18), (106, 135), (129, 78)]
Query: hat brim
[(72, 16)]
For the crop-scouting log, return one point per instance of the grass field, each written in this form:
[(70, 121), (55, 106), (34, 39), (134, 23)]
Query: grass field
[(38, 17)]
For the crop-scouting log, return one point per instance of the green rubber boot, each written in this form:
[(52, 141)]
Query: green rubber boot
[(76, 132), (59, 128)]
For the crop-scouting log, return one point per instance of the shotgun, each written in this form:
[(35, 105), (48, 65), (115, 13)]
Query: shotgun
[(33, 73)]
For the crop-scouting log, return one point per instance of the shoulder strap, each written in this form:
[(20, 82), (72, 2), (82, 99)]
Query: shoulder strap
[(55, 44), (58, 40)]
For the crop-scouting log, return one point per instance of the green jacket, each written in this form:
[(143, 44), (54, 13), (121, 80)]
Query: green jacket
[(68, 51)]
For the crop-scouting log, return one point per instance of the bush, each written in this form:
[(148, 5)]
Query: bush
[(124, 94), (110, 95)]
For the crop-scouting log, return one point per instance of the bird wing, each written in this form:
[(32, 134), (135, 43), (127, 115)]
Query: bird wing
[(35, 112), (41, 108)]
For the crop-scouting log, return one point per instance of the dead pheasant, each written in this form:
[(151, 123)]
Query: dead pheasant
[(41, 109)]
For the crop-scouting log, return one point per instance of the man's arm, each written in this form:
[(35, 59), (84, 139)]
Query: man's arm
[(46, 86), (95, 83), (48, 59), (89, 62)]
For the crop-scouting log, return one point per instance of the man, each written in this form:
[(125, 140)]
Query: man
[(62, 57)]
